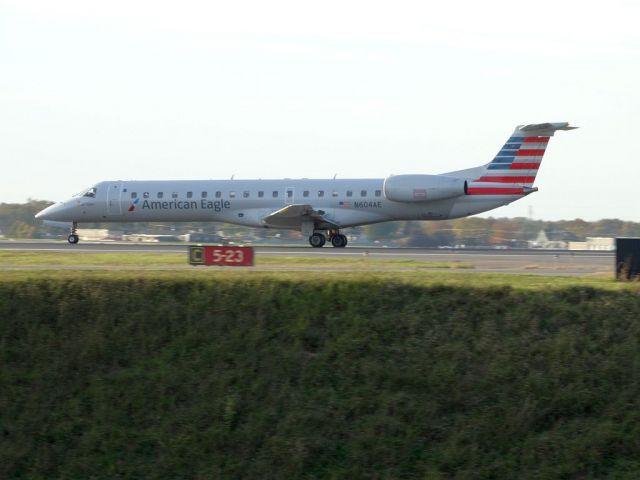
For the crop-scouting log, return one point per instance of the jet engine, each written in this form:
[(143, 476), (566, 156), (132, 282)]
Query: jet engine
[(423, 188)]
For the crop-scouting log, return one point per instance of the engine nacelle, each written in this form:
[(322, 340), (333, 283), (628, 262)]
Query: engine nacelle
[(423, 188)]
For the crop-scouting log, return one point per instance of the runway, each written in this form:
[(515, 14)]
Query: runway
[(537, 262)]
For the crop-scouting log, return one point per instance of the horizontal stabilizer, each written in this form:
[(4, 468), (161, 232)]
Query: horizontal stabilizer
[(544, 129)]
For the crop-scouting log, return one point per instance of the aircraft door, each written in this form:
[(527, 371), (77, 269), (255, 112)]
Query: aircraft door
[(114, 199), (289, 196)]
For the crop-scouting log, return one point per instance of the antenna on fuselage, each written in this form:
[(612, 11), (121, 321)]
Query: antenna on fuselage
[(335, 175), (233, 176)]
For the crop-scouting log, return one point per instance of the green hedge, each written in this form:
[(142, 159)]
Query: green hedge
[(277, 379)]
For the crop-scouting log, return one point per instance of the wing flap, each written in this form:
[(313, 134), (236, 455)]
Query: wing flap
[(292, 216)]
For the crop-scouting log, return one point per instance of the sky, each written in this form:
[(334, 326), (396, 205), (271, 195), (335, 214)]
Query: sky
[(124, 90)]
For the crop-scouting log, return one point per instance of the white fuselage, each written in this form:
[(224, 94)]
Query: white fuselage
[(344, 202), (319, 207)]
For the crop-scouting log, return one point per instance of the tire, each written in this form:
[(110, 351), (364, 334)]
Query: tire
[(73, 239), (317, 240), (339, 241)]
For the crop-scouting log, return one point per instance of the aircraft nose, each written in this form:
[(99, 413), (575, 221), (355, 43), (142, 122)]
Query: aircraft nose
[(51, 212)]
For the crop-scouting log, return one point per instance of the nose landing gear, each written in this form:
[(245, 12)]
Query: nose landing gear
[(73, 237)]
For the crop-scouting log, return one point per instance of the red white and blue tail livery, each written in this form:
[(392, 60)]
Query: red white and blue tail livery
[(319, 208), (513, 170)]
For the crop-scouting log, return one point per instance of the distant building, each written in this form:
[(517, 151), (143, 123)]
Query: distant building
[(550, 240), (142, 237), (197, 237), (94, 234), (594, 243)]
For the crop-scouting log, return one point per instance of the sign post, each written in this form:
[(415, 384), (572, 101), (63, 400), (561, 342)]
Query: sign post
[(222, 256)]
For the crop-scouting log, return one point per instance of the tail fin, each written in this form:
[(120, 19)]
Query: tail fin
[(518, 161)]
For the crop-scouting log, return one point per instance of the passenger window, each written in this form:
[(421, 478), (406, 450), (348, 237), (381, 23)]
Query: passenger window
[(174, 195), (260, 194), (134, 195), (203, 194), (160, 194), (275, 194), (363, 193), (189, 194), (232, 194), (245, 194), (320, 193), (218, 194), (349, 193), (305, 193), (289, 193), (334, 194), (145, 195), (378, 193)]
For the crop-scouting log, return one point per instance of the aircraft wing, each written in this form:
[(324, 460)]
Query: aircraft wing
[(294, 215)]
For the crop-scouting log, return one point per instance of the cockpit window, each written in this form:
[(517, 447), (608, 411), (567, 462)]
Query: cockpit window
[(91, 192)]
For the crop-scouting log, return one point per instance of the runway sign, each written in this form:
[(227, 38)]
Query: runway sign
[(223, 256)]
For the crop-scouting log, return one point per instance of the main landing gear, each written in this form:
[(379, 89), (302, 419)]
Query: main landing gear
[(338, 240), (73, 238), (317, 240)]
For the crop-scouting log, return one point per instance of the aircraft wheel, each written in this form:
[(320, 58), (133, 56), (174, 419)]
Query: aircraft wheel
[(339, 241), (73, 239), (317, 240)]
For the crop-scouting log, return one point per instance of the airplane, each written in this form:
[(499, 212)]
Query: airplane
[(320, 209)]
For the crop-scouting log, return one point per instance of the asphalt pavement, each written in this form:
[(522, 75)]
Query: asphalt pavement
[(545, 262)]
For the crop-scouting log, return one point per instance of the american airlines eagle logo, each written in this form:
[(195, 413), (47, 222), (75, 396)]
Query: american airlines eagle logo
[(132, 207)]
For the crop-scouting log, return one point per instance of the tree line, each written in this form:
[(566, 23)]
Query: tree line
[(17, 221), (512, 232)]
